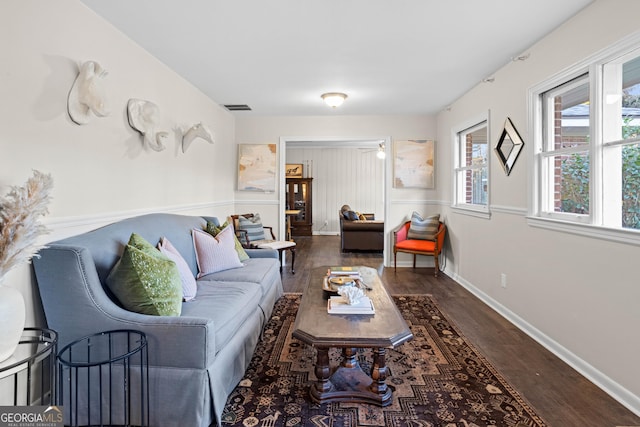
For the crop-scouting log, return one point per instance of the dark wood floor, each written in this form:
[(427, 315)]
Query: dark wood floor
[(558, 393)]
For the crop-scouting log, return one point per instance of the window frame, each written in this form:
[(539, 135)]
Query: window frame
[(473, 209), (593, 224)]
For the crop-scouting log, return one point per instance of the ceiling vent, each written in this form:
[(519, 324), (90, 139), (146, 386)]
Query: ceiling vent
[(237, 107)]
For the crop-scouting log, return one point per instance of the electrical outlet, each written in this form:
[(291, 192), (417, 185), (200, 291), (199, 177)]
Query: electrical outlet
[(503, 280)]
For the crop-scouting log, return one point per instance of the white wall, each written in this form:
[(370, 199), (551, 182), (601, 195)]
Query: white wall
[(577, 293), (101, 170), (345, 175), (580, 295)]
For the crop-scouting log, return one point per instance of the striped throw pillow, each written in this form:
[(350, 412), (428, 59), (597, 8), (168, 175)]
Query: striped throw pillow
[(253, 227), (215, 254), (423, 228)]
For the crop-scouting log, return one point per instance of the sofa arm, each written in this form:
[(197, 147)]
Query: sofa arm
[(76, 305), (262, 253)]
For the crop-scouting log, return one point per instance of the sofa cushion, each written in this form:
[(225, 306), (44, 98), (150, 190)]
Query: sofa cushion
[(146, 281), (252, 226), (215, 253), (214, 229), (259, 271), (189, 286), (228, 304), (423, 228)]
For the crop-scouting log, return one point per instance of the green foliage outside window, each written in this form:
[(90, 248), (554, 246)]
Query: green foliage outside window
[(575, 180), (575, 184), (630, 178)]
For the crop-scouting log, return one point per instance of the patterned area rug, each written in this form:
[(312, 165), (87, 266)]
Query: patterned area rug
[(438, 379)]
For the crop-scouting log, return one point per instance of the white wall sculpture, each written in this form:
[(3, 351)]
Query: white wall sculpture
[(198, 130), (88, 94), (144, 117)]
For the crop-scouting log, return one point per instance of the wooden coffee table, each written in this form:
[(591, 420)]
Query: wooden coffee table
[(380, 331)]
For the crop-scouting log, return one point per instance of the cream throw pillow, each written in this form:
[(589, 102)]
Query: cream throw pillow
[(189, 287)]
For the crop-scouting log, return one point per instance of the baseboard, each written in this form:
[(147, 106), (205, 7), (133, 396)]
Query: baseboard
[(612, 388)]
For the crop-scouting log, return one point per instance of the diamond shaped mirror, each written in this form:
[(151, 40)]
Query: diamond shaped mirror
[(509, 146)]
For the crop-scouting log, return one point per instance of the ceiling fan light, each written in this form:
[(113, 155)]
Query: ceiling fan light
[(334, 99)]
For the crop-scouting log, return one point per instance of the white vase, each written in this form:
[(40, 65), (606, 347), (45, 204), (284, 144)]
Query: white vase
[(12, 318)]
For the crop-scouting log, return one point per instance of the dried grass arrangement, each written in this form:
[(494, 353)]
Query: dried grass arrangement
[(20, 229)]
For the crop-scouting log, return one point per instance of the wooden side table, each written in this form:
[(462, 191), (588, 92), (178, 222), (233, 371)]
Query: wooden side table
[(290, 213), (281, 246)]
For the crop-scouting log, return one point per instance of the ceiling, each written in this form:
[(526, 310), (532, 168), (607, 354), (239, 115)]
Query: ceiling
[(390, 57)]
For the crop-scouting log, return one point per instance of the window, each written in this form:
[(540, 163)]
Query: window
[(587, 143), (565, 149), (472, 168)]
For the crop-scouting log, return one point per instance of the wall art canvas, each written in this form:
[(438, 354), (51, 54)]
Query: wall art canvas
[(257, 167), (413, 164)]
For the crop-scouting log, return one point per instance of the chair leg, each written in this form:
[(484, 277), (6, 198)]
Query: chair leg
[(395, 255), (437, 265), (414, 260), (293, 258)]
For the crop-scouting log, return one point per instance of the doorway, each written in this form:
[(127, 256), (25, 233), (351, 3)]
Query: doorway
[(364, 148)]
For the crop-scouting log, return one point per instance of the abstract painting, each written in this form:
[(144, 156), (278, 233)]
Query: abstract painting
[(257, 167), (413, 164)]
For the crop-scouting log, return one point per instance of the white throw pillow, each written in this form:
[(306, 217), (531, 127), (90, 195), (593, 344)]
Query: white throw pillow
[(215, 253), (189, 287)]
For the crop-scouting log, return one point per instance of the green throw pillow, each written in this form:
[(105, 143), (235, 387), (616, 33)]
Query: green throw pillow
[(213, 229), (146, 281)]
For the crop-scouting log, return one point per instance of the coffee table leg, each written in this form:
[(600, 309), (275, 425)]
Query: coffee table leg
[(379, 372), (323, 372), (349, 358)]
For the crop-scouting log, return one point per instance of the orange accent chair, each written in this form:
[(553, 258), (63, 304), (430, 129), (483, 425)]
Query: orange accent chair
[(418, 247)]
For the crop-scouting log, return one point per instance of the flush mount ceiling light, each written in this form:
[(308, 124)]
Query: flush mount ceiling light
[(334, 99)]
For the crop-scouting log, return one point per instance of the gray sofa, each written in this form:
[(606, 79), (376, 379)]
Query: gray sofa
[(196, 359)]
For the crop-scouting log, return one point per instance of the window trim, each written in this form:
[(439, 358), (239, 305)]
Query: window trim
[(593, 65), (476, 210)]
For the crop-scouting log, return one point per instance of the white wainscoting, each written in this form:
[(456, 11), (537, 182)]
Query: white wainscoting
[(341, 175), (63, 227)]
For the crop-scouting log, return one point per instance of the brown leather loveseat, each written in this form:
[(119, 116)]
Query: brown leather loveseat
[(360, 232)]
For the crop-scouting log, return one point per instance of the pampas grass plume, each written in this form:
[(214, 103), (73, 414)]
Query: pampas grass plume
[(20, 210)]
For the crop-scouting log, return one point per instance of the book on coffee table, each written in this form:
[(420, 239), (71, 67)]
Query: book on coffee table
[(337, 305), (343, 271)]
